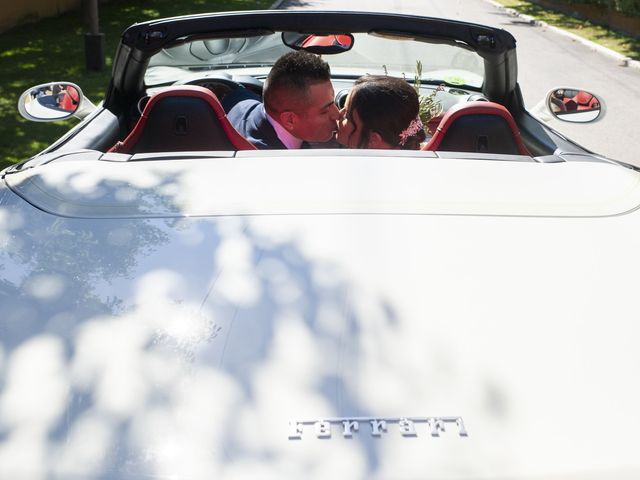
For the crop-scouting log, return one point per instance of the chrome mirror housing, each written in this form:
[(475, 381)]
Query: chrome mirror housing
[(575, 105), (53, 101)]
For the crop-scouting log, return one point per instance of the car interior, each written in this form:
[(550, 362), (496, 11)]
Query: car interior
[(170, 80)]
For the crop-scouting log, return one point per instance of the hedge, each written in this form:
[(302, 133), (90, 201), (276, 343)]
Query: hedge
[(627, 7)]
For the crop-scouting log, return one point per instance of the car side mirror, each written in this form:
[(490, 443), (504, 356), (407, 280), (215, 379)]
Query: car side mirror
[(53, 101), (575, 105)]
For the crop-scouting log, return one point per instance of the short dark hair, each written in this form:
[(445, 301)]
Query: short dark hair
[(294, 72), (386, 105)]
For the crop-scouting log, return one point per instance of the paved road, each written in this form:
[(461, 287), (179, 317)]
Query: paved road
[(546, 60)]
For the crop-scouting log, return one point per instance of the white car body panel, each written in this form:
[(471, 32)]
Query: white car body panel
[(168, 319), (328, 183)]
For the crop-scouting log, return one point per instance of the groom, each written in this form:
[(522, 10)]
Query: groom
[(298, 105)]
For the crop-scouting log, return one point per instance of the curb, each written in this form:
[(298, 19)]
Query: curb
[(623, 61)]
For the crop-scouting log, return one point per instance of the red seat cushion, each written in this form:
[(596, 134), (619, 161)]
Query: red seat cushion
[(478, 127), (185, 118)]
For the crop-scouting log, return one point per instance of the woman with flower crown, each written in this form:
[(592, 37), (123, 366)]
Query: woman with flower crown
[(381, 112)]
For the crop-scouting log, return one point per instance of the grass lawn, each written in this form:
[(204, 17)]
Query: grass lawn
[(52, 49), (617, 42)]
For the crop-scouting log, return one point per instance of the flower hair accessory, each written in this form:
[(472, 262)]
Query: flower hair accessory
[(414, 127)]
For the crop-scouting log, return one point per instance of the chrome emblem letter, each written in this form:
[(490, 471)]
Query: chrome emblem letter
[(437, 426), (295, 430), (406, 426), (377, 427), (350, 426), (323, 429)]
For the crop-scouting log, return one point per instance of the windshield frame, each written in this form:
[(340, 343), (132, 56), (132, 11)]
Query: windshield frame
[(141, 41)]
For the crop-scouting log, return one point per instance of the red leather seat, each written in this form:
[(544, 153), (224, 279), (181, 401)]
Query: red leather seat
[(185, 118), (484, 127), (69, 99), (586, 101)]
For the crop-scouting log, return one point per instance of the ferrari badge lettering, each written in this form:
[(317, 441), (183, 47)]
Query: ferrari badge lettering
[(376, 427)]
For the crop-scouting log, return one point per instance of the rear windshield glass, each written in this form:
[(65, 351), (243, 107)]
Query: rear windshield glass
[(450, 63)]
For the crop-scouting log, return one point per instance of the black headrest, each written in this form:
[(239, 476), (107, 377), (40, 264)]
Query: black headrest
[(480, 133), (181, 123)]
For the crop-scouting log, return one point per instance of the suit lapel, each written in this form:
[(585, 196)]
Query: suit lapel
[(266, 131)]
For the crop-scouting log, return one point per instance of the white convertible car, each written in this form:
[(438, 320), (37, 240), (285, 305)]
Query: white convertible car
[(185, 309)]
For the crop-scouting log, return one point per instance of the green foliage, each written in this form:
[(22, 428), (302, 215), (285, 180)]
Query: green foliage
[(52, 49), (631, 7), (618, 42), (429, 106), (628, 7)]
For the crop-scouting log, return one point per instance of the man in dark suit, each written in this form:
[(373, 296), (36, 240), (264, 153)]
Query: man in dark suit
[(298, 107)]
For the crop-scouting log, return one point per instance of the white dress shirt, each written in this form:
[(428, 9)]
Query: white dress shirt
[(285, 137)]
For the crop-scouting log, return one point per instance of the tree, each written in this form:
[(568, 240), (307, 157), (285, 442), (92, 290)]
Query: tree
[(93, 39)]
